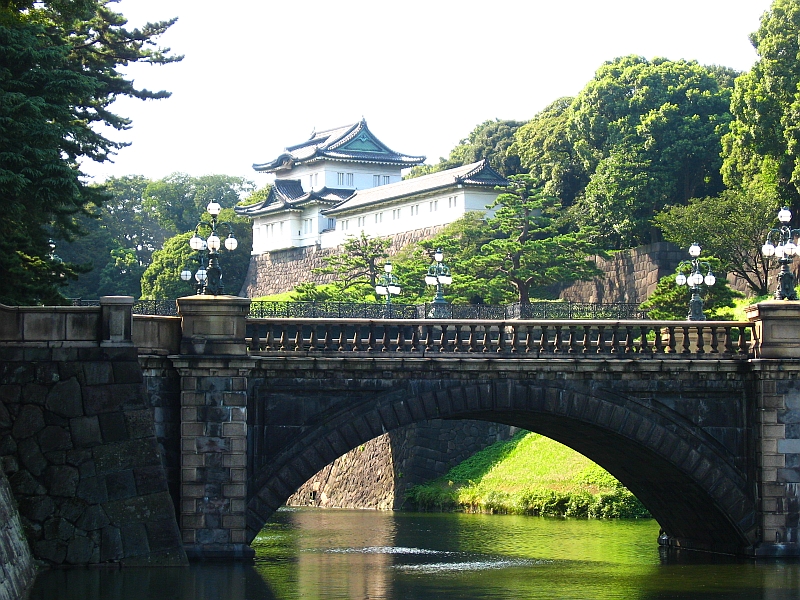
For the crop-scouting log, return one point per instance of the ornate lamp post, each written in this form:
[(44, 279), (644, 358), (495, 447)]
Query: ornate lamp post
[(438, 275), (785, 251), (209, 280), (695, 280), (388, 286)]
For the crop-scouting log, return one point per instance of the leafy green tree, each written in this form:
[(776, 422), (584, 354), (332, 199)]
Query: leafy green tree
[(648, 133), (764, 138), (546, 151), (490, 140), (670, 301), (161, 280), (731, 226), (355, 269), (528, 252), (59, 62), (178, 200)]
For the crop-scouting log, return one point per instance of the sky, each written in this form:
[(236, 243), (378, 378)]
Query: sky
[(260, 75)]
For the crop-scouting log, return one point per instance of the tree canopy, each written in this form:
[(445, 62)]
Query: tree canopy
[(59, 62), (490, 140), (763, 145)]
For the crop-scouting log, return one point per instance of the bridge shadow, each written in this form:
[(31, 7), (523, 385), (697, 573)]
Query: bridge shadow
[(690, 482)]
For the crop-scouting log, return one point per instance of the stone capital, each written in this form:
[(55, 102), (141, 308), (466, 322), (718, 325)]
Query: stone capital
[(776, 328), (213, 325)]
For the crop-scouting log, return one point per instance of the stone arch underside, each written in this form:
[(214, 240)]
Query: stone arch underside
[(685, 478)]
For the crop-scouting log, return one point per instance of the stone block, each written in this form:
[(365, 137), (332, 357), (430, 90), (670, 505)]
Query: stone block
[(163, 535), (54, 551), (791, 446), (139, 423), (65, 399), (772, 520), (150, 480), (92, 490), (234, 398), (58, 529), (789, 475), (101, 399), (23, 484), (85, 432), (194, 460), (127, 372), (211, 444), (234, 460), (126, 455), (234, 490), (29, 422), (773, 431), (111, 544), (36, 508), (62, 480), (233, 521), (54, 438), (234, 429), (773, 460), (93, 519), (140, 509), (31, 456), (113, 427), (193, 429), (212, 536), (120, 485), (134, 539), (193, 521)]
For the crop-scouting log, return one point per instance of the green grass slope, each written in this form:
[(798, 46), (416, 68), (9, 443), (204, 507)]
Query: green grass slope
[(531, 475)]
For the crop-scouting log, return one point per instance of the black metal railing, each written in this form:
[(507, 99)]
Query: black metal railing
[(261, 309)]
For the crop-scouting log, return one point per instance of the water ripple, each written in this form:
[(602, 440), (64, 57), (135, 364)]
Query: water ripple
[(474, 565), (384, 550)]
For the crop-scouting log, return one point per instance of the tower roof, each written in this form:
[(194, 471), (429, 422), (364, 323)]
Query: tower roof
[(351, 143)]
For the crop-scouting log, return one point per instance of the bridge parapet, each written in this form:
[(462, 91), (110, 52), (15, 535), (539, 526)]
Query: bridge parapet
[(520, 338)]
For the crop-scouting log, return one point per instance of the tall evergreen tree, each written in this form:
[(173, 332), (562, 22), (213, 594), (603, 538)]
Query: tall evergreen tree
[(59, 74)]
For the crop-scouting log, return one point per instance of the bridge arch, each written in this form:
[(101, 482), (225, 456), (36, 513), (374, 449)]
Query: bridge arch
[(688, 480)]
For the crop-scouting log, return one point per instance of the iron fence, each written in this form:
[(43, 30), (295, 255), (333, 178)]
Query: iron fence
[(262, 309)]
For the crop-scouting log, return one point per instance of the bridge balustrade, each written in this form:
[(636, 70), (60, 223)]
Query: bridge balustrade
[(517, 338)]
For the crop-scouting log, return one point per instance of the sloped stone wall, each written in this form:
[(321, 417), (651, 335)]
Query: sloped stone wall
[(377, 474), (281, 271), (630, 275), (17, 569), (77, 443)]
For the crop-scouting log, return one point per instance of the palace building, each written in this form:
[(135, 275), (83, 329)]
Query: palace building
[(343, 181)]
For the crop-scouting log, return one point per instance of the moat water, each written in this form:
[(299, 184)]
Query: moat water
[(360, 555)]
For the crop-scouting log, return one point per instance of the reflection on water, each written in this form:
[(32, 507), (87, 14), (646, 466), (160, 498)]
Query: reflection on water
[(343, 554)]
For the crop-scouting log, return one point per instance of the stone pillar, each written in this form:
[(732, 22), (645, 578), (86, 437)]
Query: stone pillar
[(214, 370), (116, 320), (777, 428)]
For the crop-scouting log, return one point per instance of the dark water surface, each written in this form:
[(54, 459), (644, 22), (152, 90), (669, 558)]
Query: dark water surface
[(308, 553)]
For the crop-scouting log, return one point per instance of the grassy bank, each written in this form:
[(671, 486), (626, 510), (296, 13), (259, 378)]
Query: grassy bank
[(529, 475)]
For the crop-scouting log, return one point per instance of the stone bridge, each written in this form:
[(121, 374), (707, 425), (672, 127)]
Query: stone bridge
[(700, 420)]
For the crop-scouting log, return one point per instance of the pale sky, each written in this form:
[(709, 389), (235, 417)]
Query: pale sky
[(260, 75)]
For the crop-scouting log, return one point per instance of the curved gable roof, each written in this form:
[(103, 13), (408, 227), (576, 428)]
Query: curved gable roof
[(288, 194), (353, 143), (478, 174)]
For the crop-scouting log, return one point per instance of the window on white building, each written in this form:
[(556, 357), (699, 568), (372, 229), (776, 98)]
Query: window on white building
[(349, 179), (414, 210), (379, 217), (451, 202), (433, 205), (362, 221), (376, 180), (308, 225), (385, 179), (340, 179), (395, 214), (331, 224)]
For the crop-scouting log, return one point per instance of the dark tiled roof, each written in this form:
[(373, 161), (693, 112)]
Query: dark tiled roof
[(288, 194), (349, 143), (475, 174)]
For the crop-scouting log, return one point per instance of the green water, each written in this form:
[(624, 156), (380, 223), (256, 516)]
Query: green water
[(308, 553)]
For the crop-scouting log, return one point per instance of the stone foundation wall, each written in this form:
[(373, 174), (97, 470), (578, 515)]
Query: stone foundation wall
[(281, 271), (77, 443), (17, 569), (630, 275), (377, 474)]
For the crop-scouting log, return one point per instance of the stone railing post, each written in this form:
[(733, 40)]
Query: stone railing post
[(214, 368), (776, 346), (116, 320)]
